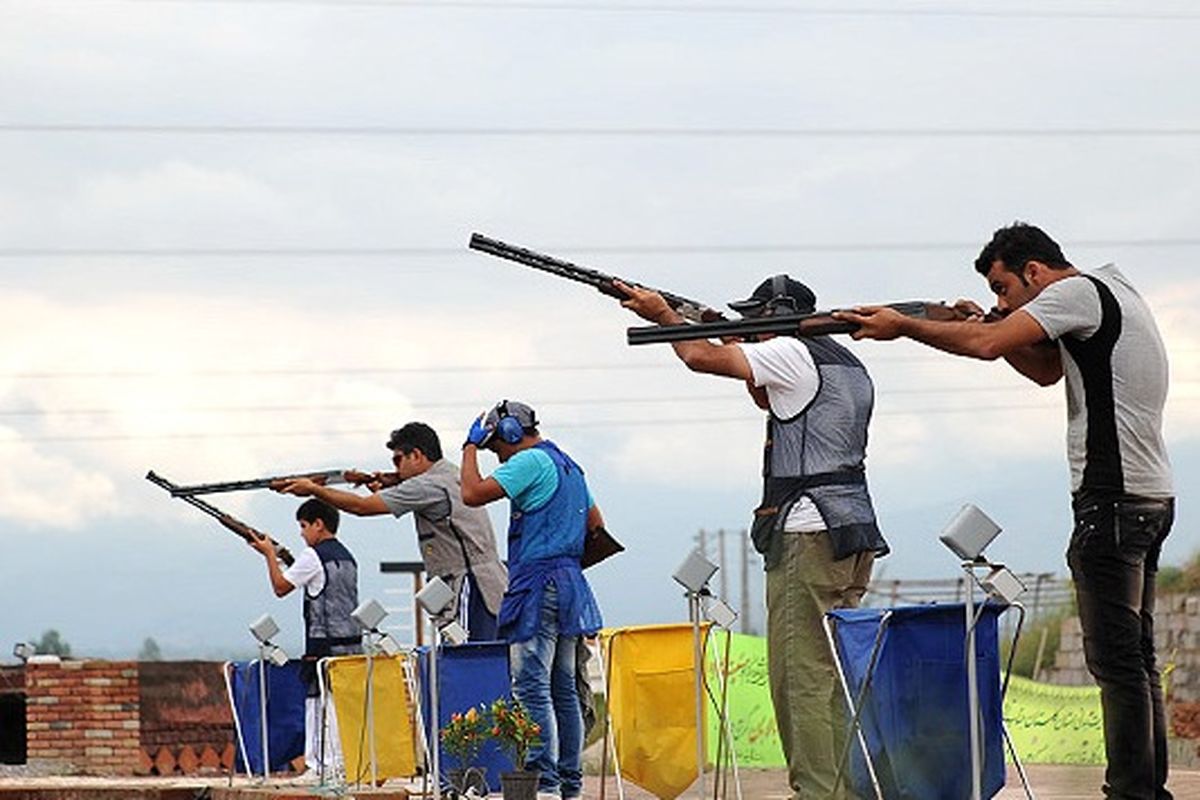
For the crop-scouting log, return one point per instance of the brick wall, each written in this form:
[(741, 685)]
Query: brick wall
[(1177, 639), (82, 716)]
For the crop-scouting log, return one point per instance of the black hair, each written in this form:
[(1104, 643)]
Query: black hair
[(314, 509), (416, 436), (1017, 245)]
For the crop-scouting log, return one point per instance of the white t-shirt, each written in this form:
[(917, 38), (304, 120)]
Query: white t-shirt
[(307, 571), (784, 367)]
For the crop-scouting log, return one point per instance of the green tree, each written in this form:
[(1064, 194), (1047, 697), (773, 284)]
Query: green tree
[(150, 650), (53, 644)]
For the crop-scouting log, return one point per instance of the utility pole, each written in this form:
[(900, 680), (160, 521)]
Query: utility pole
[(745, 583), (721, 561)]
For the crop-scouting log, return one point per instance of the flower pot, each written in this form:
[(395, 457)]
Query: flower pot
[(470, 778), (522, 785)]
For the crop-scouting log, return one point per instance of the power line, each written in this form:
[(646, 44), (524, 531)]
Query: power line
[(607, 423), (759, 9), (404, 251), (781, 132), (424, 405)]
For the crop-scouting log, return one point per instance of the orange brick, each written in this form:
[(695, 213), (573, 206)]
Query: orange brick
[(188, 760), (209, 759), (164, 762), (228, 756)]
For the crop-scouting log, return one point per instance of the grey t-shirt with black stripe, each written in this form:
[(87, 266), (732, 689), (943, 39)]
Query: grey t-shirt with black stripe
[(1071, 312)]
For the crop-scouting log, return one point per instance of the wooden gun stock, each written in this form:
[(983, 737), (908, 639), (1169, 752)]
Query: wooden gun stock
[(228, 520)]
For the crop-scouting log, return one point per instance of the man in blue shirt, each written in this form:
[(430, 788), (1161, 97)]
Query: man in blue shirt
[(549, 604)]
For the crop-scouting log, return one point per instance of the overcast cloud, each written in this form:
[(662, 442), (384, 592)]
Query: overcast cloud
[(207, 367)]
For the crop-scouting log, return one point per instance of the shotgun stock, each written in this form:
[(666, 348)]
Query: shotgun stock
[(228, 520)]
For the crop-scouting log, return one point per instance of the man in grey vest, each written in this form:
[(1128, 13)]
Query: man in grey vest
[(816, 525), (1096, 330), (457, 542)]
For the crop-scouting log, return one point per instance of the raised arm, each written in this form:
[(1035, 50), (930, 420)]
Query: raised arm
[(700, 355)]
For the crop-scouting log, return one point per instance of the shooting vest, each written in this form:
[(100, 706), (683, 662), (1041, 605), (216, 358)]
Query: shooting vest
[(462, 541), (820, 453), (544, 546), (329, 630)]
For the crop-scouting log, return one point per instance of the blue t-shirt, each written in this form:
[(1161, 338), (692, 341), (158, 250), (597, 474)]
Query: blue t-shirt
[(529, 479)]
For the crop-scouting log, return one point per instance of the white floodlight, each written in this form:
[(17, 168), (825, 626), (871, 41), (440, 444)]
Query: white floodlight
[(275, 654), (435, 597), (369, 614), (1001, 584), (717, 610), (453, 632), (264, 629), (24, 651), (694, 572), (969, 532), (389, 646)]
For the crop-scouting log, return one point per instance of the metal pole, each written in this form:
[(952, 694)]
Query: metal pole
[(698, 661), (435, 744), (371, 714), (972, 686), (262, 706)]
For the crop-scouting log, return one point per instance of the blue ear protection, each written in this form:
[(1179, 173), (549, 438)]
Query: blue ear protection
[(508, 427)]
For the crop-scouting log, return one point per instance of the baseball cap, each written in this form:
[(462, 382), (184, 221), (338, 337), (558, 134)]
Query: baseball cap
[(519, 411), (777, 293)]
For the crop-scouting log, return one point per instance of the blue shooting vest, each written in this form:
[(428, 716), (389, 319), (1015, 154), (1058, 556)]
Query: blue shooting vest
[(544, 546)]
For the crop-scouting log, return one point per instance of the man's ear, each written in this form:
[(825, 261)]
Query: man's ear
[(1035, 273)]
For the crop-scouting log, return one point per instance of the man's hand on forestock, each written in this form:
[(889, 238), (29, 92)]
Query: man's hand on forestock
[(875, 322), (648, 305), (301, 487), (262, 544)]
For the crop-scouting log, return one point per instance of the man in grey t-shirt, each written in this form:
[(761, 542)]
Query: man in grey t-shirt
[(1096, 330), (457, 542)]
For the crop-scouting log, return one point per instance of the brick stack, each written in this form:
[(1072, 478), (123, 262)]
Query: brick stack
[(82, 716)]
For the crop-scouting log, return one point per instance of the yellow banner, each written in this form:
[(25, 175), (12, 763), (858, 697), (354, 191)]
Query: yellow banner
[(395, 743)]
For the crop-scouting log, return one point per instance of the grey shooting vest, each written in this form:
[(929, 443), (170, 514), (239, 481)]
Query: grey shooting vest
[(462, 542), (820, 453), (328, 627)]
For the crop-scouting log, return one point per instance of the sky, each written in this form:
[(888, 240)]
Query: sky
[(233, 243)]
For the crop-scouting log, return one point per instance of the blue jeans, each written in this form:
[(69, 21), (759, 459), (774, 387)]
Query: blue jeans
[(543, 680), (1114, 560)]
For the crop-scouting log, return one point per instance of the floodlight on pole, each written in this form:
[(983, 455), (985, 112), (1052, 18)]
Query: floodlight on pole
[(693, 575), (435, 598), (264, 629), (967, 534), (24, 651), (368, 615)]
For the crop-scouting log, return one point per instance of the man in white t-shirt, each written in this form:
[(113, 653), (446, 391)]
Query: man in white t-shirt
[(1096, 330), (816, 526), (328, 575)]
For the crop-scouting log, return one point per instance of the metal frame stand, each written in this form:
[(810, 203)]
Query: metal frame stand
[(435, 744)]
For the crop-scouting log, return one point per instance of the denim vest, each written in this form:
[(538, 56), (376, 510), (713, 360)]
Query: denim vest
[(544, 546), (819, 453), (328, 627)]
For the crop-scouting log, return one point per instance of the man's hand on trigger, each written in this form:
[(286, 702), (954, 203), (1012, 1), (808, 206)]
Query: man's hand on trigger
[(970, 310), (646, 304), (875, 322)]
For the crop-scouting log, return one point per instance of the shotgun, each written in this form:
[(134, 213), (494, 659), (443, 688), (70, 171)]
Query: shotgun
[(819, 323), (689, 309), (324, 478), (232, 523)]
